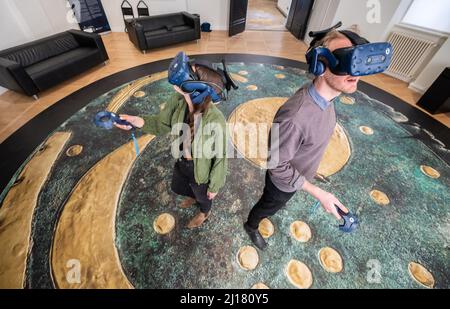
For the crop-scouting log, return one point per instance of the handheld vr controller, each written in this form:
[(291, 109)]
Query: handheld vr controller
[(350, 221), (107, 119)]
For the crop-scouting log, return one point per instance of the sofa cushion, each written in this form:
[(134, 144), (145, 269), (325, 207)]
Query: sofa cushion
[(181, 28), (41, 50), (171, 37), (162, 32), (155, 32), (63, 66), (176, 20), (161, 21)]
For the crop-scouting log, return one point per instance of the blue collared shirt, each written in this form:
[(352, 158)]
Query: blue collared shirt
[(318, 99)]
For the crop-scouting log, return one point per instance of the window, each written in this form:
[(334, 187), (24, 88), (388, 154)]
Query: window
[(433, 15)]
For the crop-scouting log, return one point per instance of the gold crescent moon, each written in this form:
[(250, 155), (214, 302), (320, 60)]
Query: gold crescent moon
[(252, 145), (123, 95), (17, 211), (86, 229)]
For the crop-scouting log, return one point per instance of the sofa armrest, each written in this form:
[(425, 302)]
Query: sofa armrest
[(193, 21), (14, 77), (90, 39), (136, 34)]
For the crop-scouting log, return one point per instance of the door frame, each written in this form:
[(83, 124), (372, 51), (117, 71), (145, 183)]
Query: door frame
[(319, 20)]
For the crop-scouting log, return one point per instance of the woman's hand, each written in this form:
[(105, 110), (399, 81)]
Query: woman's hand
[(186, 96), (136, 121), (211, 196), (178, 89)]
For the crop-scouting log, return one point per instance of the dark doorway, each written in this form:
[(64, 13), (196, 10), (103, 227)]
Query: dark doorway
[(298, 17), (238, 16)]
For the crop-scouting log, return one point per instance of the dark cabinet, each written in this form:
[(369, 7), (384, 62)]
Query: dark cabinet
[(437, 98)]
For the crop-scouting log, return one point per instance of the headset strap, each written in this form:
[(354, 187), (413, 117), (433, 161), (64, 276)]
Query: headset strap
[(354, 37)]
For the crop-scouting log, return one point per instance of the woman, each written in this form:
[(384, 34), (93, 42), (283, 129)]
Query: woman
[(196, 175)]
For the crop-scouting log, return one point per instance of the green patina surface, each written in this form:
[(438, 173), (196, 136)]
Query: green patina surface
[(415, 226)]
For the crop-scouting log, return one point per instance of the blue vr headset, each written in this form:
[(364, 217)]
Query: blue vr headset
[(182, 75), (363, 58)]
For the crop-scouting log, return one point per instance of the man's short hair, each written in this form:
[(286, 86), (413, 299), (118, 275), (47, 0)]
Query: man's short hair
[(325, 42)]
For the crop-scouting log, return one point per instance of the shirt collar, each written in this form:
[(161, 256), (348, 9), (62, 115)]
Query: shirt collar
[(318, 99)]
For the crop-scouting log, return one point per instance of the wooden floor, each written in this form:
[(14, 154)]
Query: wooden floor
[(264, 15), (17, 109)]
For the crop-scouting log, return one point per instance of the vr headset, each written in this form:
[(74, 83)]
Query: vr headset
[(363, 58), (182, 75)]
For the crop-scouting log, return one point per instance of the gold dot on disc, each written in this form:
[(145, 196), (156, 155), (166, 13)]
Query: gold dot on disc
[(259, 286), (266, 228), (366, 130), (347, 100), (299, 274), (330, 260), (139, 94), (379, 197), (280, 76), (421, 275), (430, 172), (252, 87), (300, 231), (248, 258), (74, 150), (164, 223)]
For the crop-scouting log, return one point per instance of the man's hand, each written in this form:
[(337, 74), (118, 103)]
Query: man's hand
[(136, 121), (211, 195), (329, 203), (328, 200)]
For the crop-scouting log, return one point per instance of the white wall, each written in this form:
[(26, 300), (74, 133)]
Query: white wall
[(355, 12), (328, 12), (322, 16), (216, 12), (114, 13), (437, 64), (27, 20), (284, 6), (440, 61), (397, 17)]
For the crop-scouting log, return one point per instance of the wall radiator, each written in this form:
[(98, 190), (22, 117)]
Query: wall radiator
[(411, 54)]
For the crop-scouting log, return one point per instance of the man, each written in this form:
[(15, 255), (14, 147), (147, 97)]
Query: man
[(306, 122)]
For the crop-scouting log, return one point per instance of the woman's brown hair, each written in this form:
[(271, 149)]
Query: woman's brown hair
[(207, 75)]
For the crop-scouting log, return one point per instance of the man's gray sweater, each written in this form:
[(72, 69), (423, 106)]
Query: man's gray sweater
[(305, 125)]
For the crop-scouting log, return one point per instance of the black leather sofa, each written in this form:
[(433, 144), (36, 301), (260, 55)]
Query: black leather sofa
[(33, 67), (162, 30)]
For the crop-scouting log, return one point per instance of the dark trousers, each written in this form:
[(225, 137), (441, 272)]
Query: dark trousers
[(270, 202), (183, 183)]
